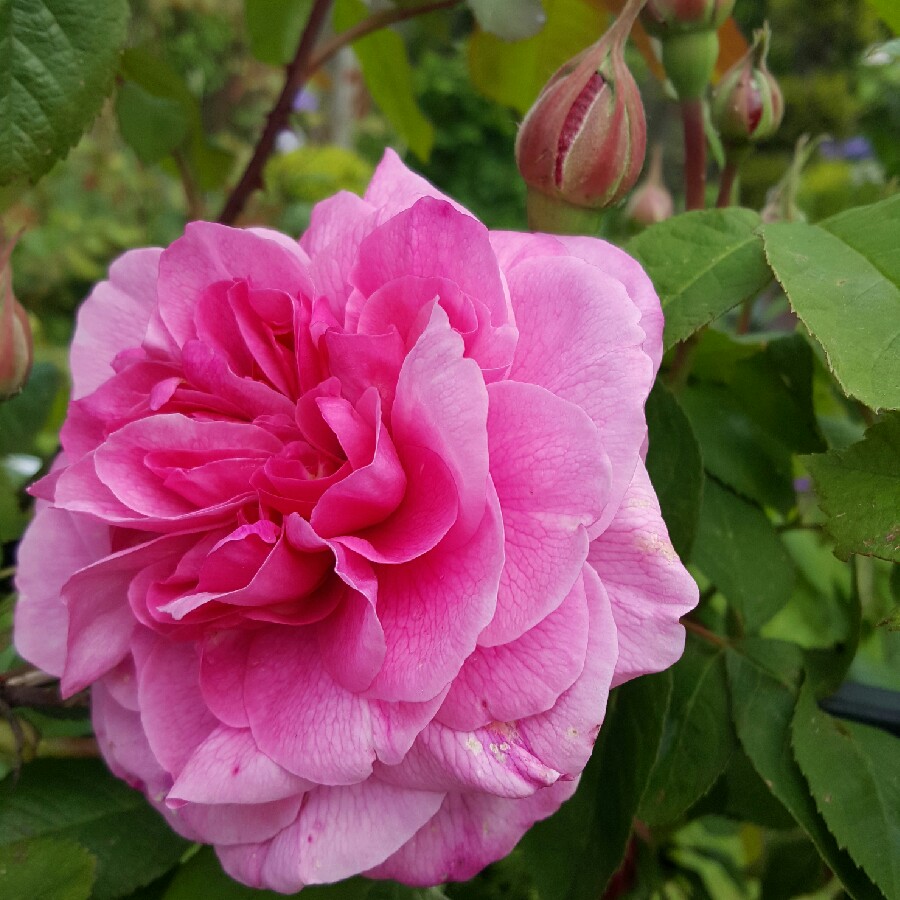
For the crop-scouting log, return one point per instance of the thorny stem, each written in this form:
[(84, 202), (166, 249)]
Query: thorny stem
[(694, 153), (296, 74)]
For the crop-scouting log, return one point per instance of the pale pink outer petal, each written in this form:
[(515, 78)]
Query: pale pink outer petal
[(124, 744), (433, 609), (333, 219), (173, 714), (469, 831), (588, 351), (339, 831), (649, 588), (208, 253), (228, 767), (513, 247), (616, 262), (237, 823), (486, 760), (41, 618), (552, 477), (394, 188), (563, 737), (113, 318), (306, 722), (524, 677)]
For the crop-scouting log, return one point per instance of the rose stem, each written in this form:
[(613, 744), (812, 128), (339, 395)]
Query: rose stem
[(694, 153), (297, 73), (295, 77), (726, 185)]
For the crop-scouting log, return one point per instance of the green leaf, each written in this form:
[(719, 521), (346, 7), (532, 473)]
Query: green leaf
[(386, 69), (675, 467), (736, 449), (275, 27), (852, 770), (775, 388), (697, 742), (511, 20), (23, 417), (748, 798), (78, 800), (514, 74), (793, 868), (573, 854), (58, 61), (859, 491), (152, 126), (763, 677), (46, 869), (702, 264), (842, 278), (12, 519), (738, 550), (209, 163)]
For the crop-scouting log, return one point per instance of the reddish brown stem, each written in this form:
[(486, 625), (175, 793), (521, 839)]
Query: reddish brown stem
[(296, 74), (694, 153), (704, 633), (376, 21), (726, 185), (304, 64)]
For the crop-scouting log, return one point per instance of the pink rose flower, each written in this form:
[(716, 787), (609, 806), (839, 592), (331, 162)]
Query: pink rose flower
[(352, 537)]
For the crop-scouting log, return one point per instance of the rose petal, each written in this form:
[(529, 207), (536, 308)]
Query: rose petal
[(468, 832), (648, 587), (587, 351), (228, 767), (525, 676), (114, 316), (552, 478)]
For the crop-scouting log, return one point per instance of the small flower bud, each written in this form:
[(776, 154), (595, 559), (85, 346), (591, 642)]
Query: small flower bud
[(747, 104), (664, 17), (15, 333), (583, 141), (651, 201), (690, 45)]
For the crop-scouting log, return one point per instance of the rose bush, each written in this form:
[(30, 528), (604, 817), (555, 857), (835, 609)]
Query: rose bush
[(352, 536)]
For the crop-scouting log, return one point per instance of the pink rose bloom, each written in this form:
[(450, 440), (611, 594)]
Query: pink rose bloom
[(351, 537)]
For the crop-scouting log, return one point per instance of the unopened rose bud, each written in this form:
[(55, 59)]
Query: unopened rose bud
[(651, 201), (690, 45), (582, 144), (663, 17), (747, 104), (16, 351)]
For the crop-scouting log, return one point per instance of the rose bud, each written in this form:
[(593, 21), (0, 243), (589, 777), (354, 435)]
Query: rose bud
[(747, 104), (664, 17), (651, 201), (582, 143), (16, 351), (690, 45)]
